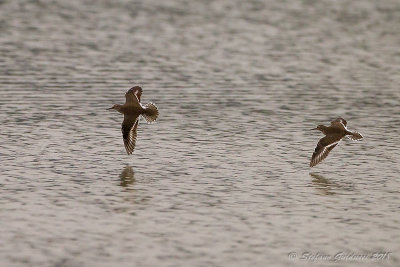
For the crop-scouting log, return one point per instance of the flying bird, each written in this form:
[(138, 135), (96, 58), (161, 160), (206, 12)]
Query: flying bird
[(333, 135), (132, 109)]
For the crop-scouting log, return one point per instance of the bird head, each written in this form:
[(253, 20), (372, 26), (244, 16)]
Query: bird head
[(116, 107), (320, 128)]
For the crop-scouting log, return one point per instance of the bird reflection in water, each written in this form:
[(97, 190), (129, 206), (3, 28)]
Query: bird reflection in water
[(130, 194), (322, 184), (326, 187), (127, 176)]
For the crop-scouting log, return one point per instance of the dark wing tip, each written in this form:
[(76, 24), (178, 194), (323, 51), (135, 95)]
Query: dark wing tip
[(136, 90), (324, 146), (340, 120), (315, 158), (320, 154), (129, 136), (312, 163)]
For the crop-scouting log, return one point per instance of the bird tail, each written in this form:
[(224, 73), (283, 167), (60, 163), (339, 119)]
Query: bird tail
[(355, 136), (150, 112)]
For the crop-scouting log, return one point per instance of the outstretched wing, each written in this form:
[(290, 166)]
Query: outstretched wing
[(129, 133), (339, 121), (133, 95), (324, 146)]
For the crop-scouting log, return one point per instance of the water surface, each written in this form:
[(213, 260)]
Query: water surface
[(223, 177)]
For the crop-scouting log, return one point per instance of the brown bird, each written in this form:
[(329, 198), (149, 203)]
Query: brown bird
[(132, 109), (333, 135)]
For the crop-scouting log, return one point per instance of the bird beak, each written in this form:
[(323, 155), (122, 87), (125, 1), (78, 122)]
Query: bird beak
[(110, 108), (313, 129)]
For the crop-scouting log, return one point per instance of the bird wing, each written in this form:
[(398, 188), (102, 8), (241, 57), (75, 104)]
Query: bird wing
[(129, 133), (133, 95), (339, 122), (324, 146)]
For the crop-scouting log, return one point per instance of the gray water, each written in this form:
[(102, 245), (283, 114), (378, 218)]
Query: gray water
[(223, 177)]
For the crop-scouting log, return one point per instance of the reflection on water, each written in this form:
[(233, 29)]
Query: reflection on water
[(133, 195), (322, 184), (127, 176), (328, 187)]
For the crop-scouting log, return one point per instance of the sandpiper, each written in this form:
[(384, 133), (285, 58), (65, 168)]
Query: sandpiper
[(333, 135), (132, 109)]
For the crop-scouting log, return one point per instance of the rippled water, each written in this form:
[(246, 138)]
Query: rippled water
[(222, 179)]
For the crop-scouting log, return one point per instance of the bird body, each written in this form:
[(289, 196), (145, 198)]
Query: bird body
[(129, 109), (132, 109), (333, 135)]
